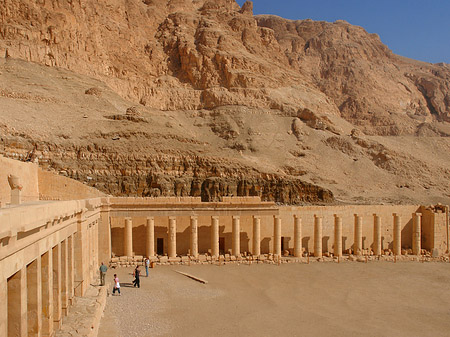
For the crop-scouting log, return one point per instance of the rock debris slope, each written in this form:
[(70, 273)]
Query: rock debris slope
[(202, 98)]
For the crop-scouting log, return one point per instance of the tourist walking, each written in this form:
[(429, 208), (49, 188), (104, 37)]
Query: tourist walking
[(116, 285), (103, 270), (147, 264), (137, 281)]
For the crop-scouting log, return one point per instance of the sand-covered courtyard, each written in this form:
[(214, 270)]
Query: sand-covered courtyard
[(319, 299)]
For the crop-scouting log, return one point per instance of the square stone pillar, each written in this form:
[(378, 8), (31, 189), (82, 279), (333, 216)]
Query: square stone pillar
[(128, 238), (397, 234), (416, 240), (215, 236), (17, 304), (172, 236), (376, 235), (337, 236), (104, 232), (297, 236), (256, 246), (34, 298), (194, 236), (81, 254), (65, 277), (317, 236), (277, 235), (358, 235), (150, 239), (4, 307), (47, 293), (57, 283), (71, 270), (236, 236)]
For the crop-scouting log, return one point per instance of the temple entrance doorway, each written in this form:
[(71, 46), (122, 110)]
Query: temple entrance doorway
[(160, 246), (221, 246)]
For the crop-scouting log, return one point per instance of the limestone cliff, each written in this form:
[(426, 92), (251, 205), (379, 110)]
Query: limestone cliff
[(215, 101)]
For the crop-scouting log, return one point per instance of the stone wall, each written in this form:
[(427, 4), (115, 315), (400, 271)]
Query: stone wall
[(57, 187)]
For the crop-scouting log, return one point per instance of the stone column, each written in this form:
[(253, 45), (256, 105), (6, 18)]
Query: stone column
[(128, 238), (215, 236), (172, 236), (47, 293), (256, 245), (358, 235), (276, 235), (194, 236), (150, 242), (16, 197), (376, 235), (57, 300), (236, 237), (337, 236), (17, 304), (397, 234), (34, 298), (65, 277), (4, 307), (317, 236), (297, 236), (417, 224)]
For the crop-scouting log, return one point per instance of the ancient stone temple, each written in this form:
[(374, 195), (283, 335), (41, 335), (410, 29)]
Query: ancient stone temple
[(55, 232)]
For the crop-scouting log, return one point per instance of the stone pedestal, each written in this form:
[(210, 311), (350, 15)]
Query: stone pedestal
[(194, 236), (397, 234), (215, 236), (337, 235), (276, 235), (236, 237), (317, 236), (297, 236), (377, 235), (128, 238), (358, 235), (172, 236), (417, 224), (150, 242), (16, 196), (256, 247)]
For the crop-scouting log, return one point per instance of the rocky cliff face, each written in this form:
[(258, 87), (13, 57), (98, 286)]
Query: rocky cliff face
[(221, 102)]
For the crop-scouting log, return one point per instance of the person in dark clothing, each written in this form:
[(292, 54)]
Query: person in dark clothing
[(137, 281)]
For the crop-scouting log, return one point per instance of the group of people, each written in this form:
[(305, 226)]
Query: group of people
[(136, 274)]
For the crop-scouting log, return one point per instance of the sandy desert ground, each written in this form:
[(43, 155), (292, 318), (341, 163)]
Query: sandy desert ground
[(319, 299)]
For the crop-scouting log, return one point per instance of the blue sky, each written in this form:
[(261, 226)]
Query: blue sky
[(419, 29)]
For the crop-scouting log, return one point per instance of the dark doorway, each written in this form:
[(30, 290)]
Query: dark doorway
[(282, 244), (222, 246), (160, 246)]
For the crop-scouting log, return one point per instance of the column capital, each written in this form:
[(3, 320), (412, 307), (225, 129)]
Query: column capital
[(375, 214), (417, 214), (394, 214), (256, 217), (237, 217), (150, 218), (214, 217), (172, 218), (317, 216), (194, 217)]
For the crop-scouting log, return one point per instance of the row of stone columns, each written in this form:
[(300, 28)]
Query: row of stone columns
[(358, 247), (39, 294), (256, 241)]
